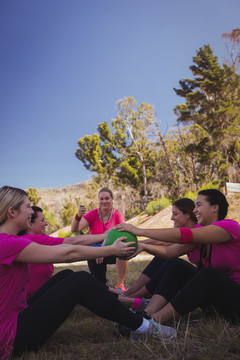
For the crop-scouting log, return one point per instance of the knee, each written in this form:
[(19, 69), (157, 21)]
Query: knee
[(85, 281), (67, 272), (178, 266)]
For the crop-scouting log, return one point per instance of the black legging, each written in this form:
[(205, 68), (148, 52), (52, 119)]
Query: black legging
[(54, 301), (155, 271), (99, 270), (205, 288)]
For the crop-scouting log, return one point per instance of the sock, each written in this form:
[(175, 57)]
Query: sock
[(144, 326), (137, 303)]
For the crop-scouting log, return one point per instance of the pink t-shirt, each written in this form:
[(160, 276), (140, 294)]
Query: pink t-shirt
[(40, 273), (225, 256), (13, 279), (95, 224)]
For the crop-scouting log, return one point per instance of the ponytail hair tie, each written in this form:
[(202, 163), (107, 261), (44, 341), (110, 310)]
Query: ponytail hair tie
[(186, 236)]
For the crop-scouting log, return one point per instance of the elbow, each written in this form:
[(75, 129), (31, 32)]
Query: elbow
[(71, 256), (72, 241)]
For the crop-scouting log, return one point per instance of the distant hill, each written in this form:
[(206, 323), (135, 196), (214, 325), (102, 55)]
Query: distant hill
[(85, 193), (123, 199)]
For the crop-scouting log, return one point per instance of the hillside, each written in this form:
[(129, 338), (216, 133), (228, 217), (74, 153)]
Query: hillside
[(85, 193), (163, 218), (80, 193)]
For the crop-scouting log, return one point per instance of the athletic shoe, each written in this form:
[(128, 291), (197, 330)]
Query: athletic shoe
[(120, 287), (156, 330), (124, 330)]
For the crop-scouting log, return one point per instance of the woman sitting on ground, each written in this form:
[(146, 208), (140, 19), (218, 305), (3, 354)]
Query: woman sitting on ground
[(36, 231), (99, 221), (216, 248), (145, 285), (25, 327), (40, 273)]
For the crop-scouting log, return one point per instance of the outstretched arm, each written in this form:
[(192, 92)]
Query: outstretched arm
[(204, 235), (43, 254), (166, 252), (86, 239)]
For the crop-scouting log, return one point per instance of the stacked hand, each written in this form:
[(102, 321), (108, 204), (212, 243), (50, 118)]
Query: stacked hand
[(123, 249), (128, 227)]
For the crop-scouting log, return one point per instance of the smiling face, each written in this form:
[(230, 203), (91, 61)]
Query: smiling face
[(179, 219), (105, 201), (38, 226), (23, 215), (205, 213)]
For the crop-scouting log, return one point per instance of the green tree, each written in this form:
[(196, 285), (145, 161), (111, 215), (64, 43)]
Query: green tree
[(33, 196), (68, 212), (127, 152), (212, 103), (50, 219)]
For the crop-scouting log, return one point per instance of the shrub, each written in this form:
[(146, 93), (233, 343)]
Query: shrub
[(191, 195), (155, 206), (64, 234), (68, 212), (50, 219), (130, 213)]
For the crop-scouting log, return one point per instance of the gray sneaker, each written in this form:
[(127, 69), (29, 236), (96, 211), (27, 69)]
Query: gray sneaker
[(161, 331)]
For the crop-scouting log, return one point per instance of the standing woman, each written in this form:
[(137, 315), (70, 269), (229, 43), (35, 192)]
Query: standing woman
[(25, 327), (99, 221)]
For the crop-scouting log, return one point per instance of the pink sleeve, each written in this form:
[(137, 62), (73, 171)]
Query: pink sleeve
[(11, 247), (119, 217), (231, 226), (44, 239)]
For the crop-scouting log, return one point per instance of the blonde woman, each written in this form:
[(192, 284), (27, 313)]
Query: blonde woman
[(100, 220), (25, 327)]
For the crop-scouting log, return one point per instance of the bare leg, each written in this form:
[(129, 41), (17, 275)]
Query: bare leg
[(166, 314), (156, 303), (143, 292), (122, 267), (137, 285)]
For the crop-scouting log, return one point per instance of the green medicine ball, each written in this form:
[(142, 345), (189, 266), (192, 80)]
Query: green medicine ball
[(114, 234)]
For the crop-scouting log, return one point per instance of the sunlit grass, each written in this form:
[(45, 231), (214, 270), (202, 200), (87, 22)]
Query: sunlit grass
[(87, 336)]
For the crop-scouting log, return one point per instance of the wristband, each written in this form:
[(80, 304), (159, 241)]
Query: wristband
[(186, 236), (77, 218)]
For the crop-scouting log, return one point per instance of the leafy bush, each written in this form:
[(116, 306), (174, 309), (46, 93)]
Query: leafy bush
[(68, 212), (130, 213), (50, 219), (33, 196), (155, 206), (191, 195), (212, 185), (65, 234)]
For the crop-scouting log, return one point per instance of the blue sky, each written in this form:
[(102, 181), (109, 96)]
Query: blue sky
[(65, 64)]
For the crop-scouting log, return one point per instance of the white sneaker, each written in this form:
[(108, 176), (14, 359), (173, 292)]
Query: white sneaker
[(161, 331)]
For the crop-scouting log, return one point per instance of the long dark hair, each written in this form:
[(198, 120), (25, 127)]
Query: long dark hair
[(216, 197), (186, 206)]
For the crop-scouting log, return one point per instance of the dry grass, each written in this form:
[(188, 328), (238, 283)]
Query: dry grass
[(84, 336)]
